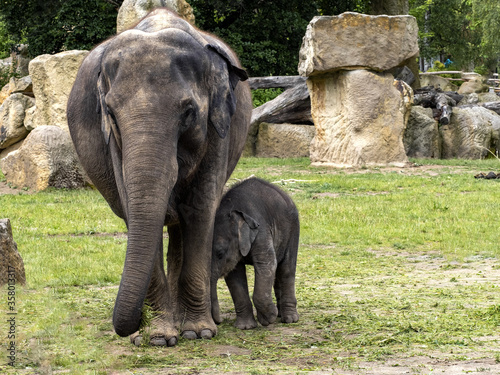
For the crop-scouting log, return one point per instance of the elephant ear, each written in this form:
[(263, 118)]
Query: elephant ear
[(247, 231), (223, 100), (108, 124)]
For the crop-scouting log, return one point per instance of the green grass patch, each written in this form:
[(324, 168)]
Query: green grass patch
[(394, 264)]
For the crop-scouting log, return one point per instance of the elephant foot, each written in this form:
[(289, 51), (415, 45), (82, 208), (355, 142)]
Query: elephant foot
[(199, 330), (192, 335), (290, 317), (267, 316), (245, 322), (137, 340), (160, 333)]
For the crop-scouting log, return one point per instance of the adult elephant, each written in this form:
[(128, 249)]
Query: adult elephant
[(159, 120)]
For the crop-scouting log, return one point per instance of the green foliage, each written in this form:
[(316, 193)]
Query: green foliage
[(267, 35), (465, 29), (438, 66), (485, 17), (5, 41), (261, 96), (445, 29), (5, 75), (53, 26)]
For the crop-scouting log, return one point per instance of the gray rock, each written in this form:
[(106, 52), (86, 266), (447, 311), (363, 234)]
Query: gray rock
[(473, 86), (46, 158), (22, 85), (360, 117), (53, 77), (357, 41), (470, 134), (11, 264), (421, 137), (12, 114), (284, 140), (437, 82)]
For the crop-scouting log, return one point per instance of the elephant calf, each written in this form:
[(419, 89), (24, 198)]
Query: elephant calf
[(256, 224)]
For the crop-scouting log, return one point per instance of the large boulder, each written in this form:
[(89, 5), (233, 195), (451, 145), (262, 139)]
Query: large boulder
[(283, 140), (475, 85), (12, 114), (53, 77), (477, 98), (471, 133), (357, 41), (132, 11), (46, 158), (437, 82), (360, 117), (11, 263), (421, 137)]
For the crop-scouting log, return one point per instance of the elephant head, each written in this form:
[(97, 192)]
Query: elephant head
[(147, 108)]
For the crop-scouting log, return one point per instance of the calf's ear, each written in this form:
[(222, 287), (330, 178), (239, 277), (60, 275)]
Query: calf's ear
[(247, 231)]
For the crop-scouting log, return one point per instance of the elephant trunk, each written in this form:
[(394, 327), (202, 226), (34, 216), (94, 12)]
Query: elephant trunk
[(149, 175)]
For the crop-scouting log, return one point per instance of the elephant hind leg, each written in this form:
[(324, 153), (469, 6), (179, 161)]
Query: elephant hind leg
[(284, 288)]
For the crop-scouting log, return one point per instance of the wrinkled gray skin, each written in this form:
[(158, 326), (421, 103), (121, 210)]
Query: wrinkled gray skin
[(159, 119), (256, 224)]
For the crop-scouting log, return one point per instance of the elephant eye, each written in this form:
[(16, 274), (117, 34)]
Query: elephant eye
[(189, 115), (219, 253)]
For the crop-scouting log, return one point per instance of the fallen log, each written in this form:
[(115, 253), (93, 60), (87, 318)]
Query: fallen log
[(430, 97), (284, 82), (293, 106)]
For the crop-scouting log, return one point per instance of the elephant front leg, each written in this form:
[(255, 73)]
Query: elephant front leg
[(237, 283), (161, 329), (194, 280)]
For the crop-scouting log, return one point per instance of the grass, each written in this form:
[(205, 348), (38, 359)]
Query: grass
[(397, 267)]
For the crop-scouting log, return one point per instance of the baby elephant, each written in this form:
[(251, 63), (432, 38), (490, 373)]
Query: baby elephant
[(256, 224)]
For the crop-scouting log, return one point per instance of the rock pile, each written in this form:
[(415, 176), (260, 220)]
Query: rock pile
[(37, 104), (44, 157), (359, 110), (471, 129)]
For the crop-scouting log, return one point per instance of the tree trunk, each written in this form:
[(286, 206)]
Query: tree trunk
[(390, 7)]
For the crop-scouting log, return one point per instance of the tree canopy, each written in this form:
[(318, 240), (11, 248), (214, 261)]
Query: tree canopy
[(266, 34), (51, 26), (465, 30)]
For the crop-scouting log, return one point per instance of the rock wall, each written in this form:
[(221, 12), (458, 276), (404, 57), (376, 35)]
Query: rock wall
[(41, 158), (359, 117), (473, 133)]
